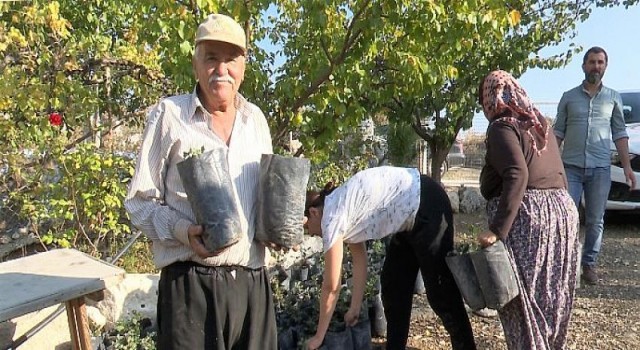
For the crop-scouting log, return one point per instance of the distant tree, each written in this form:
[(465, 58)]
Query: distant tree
[(470, 47), (403, 144)]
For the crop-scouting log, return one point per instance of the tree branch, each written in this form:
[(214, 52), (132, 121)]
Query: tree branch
[(349, 41)]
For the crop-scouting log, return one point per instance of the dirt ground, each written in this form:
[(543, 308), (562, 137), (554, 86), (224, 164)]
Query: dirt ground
[(605, 316)]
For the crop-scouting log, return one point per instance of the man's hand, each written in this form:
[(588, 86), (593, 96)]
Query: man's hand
[(487, 238), (630, 176), (315, 342), (195, 239), (351, 317)]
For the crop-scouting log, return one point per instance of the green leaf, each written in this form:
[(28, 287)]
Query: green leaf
[(181, 29), (185, 47)]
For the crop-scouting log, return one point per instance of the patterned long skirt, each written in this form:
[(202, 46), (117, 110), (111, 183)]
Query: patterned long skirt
[(543, 247)]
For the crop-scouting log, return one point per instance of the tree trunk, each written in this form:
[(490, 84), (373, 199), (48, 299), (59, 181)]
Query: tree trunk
[(438, 157)]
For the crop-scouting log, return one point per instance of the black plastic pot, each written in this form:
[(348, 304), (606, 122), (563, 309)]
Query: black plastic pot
[(464, 274), (304, 273), (377, 318), (288, 340), (485, 277), (282, 188), (361, 335), (357, 337), (338, 340), (209, 189), (495, 275)]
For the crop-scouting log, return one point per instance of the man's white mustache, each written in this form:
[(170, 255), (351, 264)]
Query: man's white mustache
[(221, 79)]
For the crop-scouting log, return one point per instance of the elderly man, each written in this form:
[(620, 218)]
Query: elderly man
[(207, 300)]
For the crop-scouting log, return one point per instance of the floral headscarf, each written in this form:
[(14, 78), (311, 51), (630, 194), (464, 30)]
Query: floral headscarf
[(502, 93)]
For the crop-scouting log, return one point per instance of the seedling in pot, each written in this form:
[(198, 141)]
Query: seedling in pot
[(464, 248), (194, 152), (466, 243)]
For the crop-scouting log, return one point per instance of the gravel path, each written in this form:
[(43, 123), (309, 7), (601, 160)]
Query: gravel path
[(605, 317)]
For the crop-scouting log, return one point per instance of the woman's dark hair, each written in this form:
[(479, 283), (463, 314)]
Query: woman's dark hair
[(316, 199)]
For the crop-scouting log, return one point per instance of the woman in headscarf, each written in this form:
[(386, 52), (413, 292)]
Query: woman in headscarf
[(531, 211)]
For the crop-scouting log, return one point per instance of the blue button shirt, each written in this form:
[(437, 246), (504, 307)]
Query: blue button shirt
[(588, 125)]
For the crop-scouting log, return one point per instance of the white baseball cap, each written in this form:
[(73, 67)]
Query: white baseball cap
[(218, 27)]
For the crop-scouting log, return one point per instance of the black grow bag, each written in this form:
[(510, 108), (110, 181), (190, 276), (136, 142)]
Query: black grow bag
[(288, 340), (337, 340), (357, 337), (485, 277), (282, 188), (376, 317), (495, 274), (209, 189), (361, 335), (464, 274)]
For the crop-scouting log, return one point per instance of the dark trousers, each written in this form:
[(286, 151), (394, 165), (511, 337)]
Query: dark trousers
[(424, 248), (202, 307)]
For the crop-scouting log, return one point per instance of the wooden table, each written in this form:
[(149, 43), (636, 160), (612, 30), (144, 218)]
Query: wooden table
[(58, 276)]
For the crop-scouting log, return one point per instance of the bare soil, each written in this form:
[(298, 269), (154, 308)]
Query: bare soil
[(605, 316)]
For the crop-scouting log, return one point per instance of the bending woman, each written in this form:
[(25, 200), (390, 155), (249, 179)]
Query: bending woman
[(373, 204), (531, 211)]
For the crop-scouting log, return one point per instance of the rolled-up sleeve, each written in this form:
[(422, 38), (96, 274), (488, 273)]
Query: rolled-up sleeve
[(618, 127)]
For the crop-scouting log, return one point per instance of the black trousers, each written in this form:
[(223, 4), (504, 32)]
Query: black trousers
[(219, 308), (424, 248)]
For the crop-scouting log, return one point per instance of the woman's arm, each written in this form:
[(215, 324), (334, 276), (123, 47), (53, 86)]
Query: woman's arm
[(330, 292), (359, 256), (504, 152)]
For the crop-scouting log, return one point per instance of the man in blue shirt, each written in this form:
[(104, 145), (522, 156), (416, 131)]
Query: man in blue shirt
[(589, 118)]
